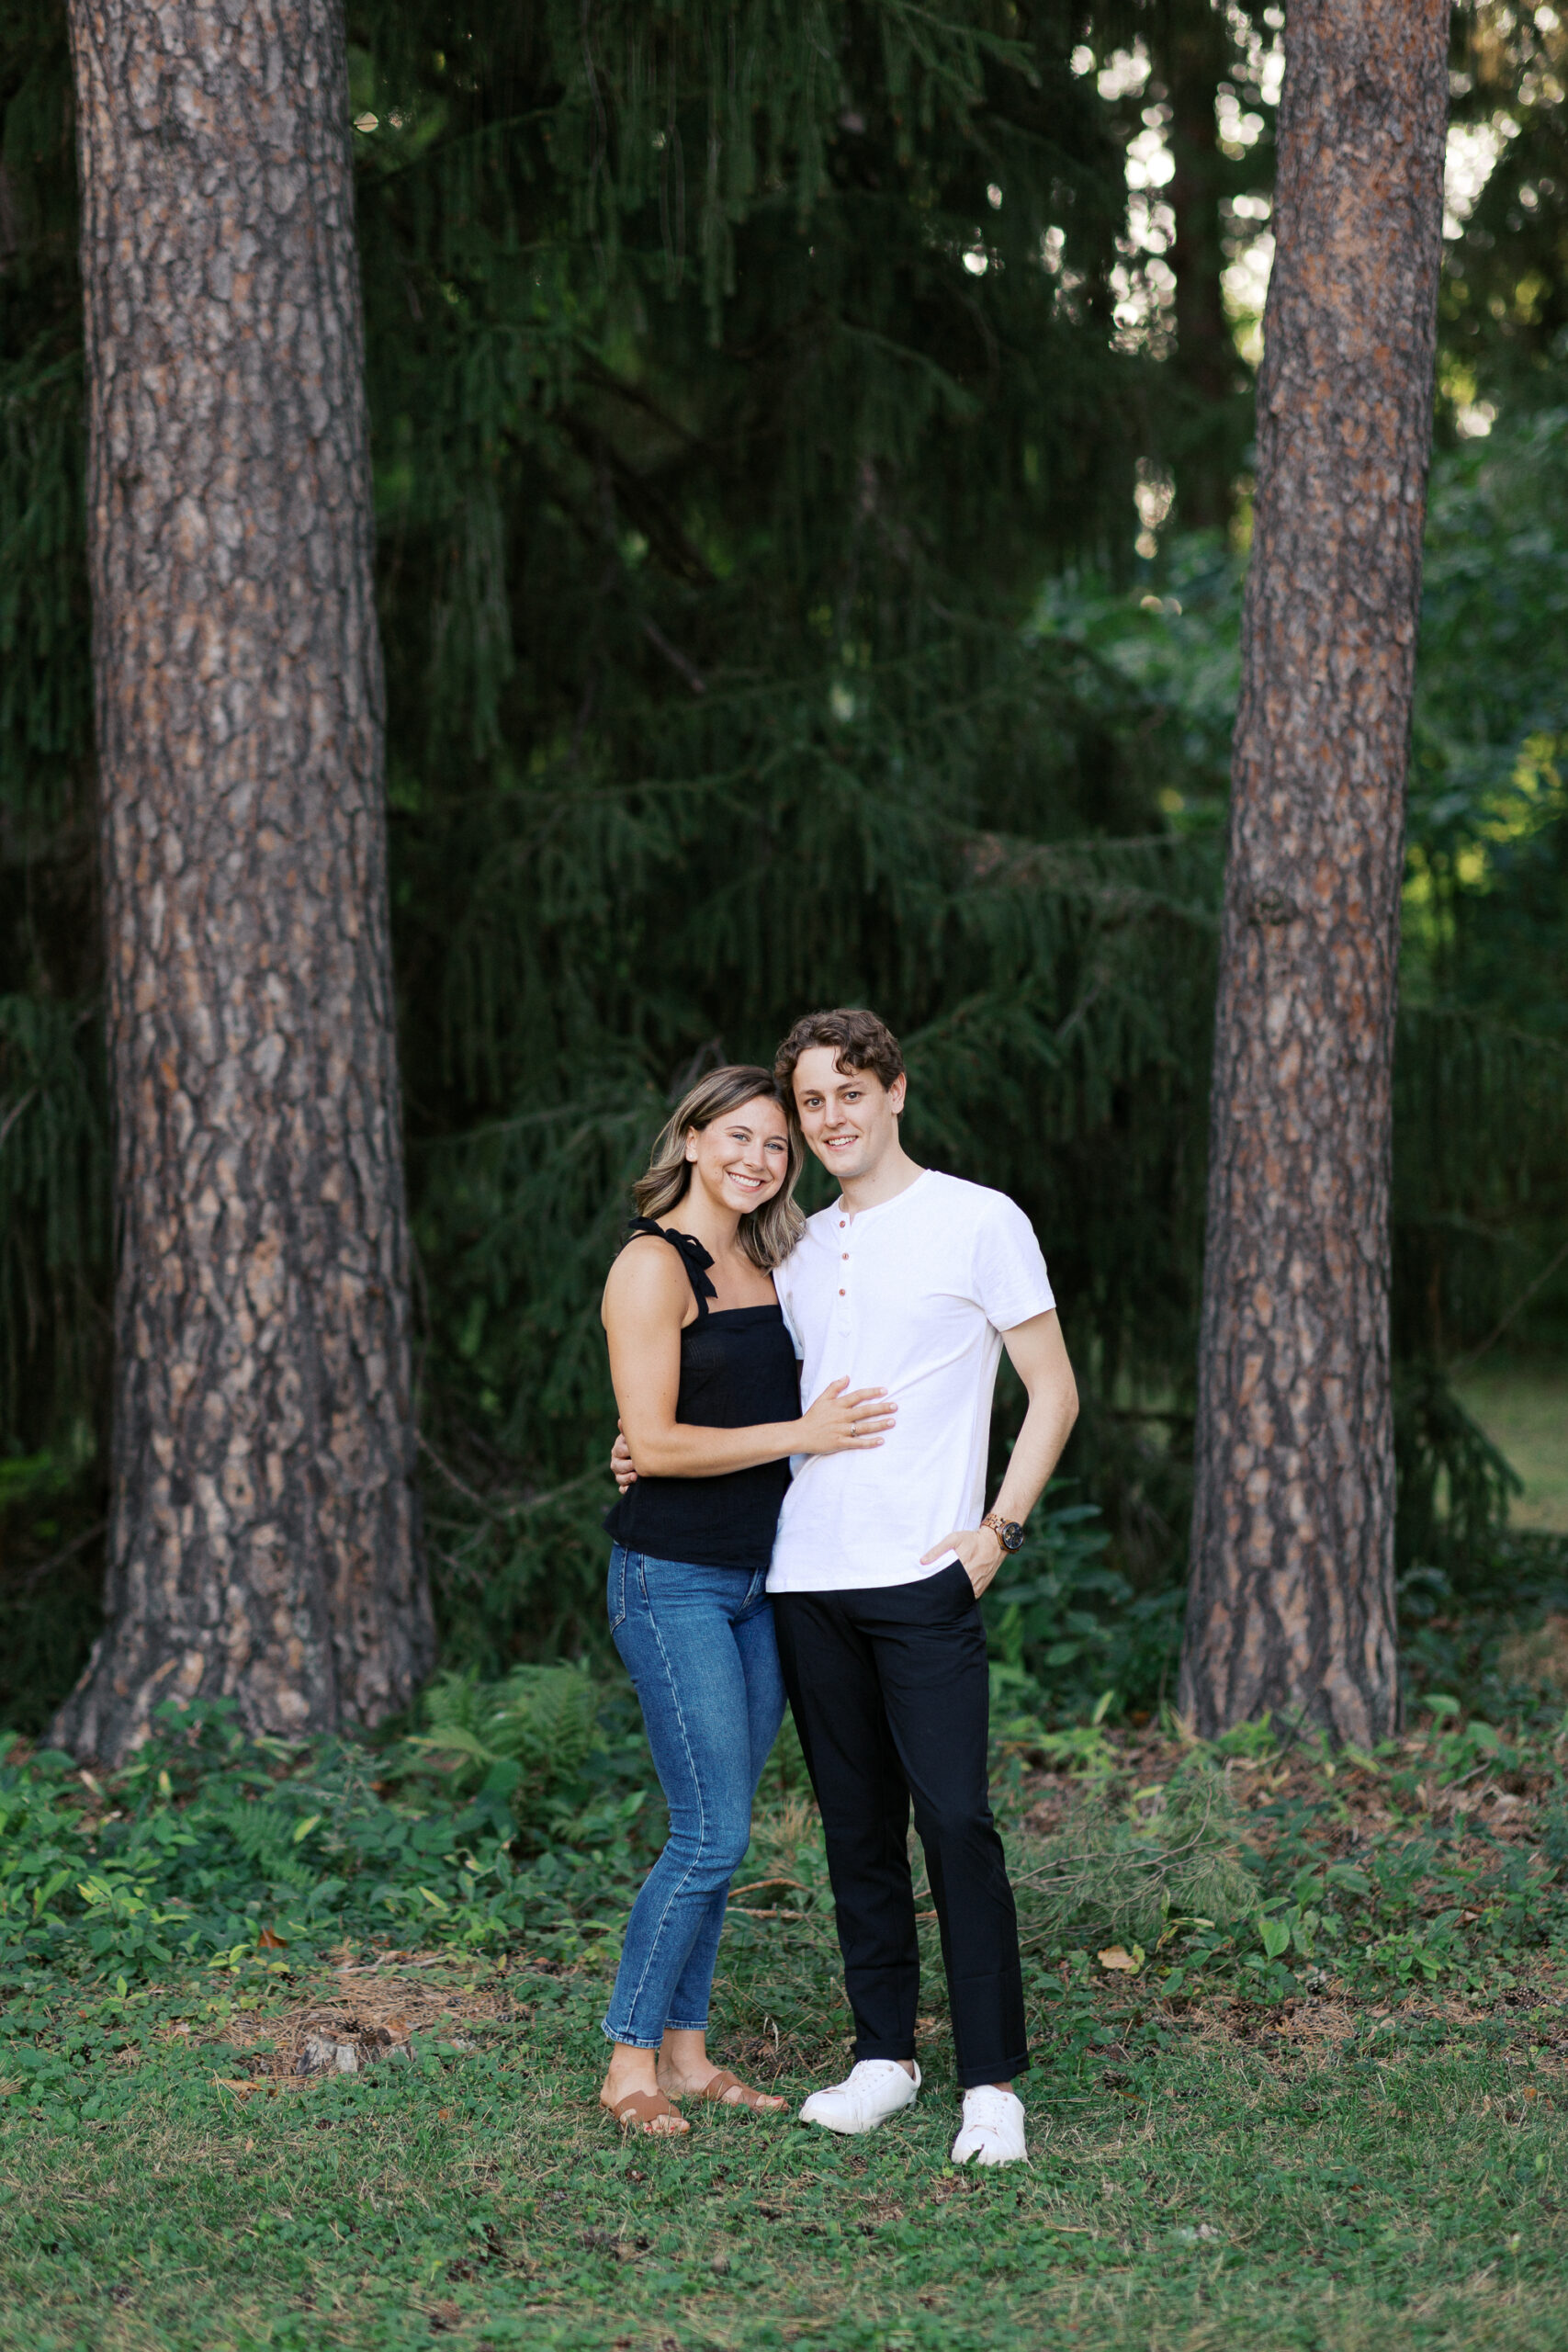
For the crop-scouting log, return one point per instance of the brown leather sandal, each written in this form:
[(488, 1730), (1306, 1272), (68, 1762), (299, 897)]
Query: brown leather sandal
[(641, 2110), (719, 2086)]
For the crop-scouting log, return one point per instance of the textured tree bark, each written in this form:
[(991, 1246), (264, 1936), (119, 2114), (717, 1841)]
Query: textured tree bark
[(1292, 1606), (264, 1540)]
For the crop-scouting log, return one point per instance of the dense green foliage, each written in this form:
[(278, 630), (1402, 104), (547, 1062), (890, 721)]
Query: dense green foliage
[(1486, 976), (1504, 301), (525, 1812), (758, 400), (212, 1843)]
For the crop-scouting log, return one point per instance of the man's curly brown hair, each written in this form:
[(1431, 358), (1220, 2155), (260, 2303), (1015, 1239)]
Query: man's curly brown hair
[(860, 1042)]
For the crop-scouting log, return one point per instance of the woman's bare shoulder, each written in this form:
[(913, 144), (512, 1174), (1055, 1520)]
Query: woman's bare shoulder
[(646, 1278)]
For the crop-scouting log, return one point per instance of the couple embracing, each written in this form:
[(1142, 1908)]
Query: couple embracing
[(853, 1588)]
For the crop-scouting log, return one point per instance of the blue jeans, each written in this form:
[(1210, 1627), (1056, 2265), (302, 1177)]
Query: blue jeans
[(698, 1643)]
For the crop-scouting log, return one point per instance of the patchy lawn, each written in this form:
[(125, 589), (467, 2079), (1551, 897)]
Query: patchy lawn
[(1340, 2122), (1216, 2172)]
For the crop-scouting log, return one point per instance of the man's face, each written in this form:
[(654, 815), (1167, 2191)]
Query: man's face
[(848, 1117)]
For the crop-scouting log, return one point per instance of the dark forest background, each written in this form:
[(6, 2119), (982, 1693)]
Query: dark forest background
[(812, 474)]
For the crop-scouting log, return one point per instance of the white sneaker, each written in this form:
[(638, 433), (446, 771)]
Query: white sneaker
[(877, 2087), (993, 2129)]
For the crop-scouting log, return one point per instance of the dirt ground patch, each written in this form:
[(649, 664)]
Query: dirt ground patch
[(373, 2014)]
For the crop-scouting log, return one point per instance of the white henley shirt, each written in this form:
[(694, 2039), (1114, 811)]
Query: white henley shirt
[(912, 1296)]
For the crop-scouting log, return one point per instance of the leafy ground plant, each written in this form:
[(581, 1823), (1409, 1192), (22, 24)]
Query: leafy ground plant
[(211, 1846)]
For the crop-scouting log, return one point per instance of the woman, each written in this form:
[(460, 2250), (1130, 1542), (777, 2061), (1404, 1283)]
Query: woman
[(709, 1395)]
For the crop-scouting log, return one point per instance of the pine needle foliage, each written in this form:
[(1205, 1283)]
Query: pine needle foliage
[(735, 528), (1140, 1864)]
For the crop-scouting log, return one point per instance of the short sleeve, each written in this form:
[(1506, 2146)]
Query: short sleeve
[(1010, 1283)]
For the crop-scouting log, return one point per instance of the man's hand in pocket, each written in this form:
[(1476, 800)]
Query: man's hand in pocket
[(979, 1548)]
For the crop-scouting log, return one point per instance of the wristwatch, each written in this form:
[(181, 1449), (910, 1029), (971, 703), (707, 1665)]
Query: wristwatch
[(1008, 1531)]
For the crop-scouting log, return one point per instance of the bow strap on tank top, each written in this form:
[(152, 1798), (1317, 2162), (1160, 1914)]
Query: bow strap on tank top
[(692, 1256)]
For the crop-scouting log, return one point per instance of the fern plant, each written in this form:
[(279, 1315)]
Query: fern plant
[(540, 1722)]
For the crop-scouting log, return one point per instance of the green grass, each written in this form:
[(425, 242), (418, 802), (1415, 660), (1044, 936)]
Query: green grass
[(1325, 2108), (1522, 1405), (1393, 2179)]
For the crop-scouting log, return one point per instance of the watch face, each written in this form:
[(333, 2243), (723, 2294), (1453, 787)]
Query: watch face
[(1012, 1536)]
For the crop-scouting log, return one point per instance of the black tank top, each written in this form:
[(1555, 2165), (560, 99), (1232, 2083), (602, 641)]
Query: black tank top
[(738, 1368)]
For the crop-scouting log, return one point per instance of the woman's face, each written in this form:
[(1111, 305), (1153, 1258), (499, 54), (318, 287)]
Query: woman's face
[(741, 1158)]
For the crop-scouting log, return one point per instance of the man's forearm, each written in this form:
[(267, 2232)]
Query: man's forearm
[(1047, 1428)]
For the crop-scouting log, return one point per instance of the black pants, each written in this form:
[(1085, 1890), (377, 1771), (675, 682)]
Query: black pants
[(891, 1697)]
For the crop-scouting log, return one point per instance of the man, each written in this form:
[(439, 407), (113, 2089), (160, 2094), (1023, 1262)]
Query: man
[(914, 1282)]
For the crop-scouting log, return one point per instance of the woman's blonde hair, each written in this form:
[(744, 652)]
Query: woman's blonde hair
[(767, 1234)]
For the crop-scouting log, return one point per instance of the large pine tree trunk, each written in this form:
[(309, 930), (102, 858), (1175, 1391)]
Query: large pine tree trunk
[(263, 1541), (1292, 1606)]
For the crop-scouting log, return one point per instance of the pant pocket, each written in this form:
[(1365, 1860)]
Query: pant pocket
[(961, 1593), (615, 1591)]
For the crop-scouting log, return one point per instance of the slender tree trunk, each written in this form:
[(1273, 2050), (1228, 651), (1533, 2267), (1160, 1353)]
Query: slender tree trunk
[(1292, 1606), (264, 1540)]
